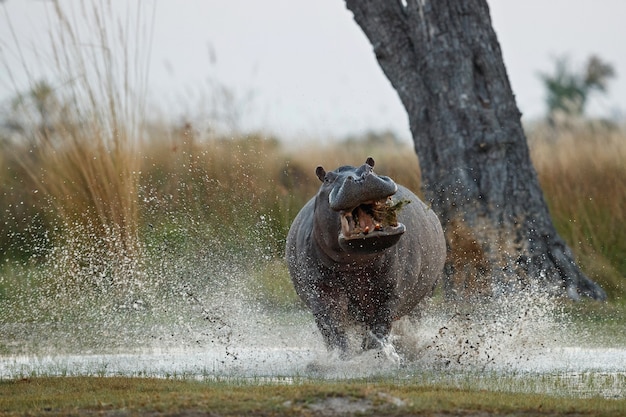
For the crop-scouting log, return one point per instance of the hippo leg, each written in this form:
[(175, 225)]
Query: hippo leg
[(377, 331), (370, 305), (329, 310), (334, 336)]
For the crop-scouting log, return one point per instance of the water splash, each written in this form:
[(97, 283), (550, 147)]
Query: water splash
[(192, 309), (498, 333)]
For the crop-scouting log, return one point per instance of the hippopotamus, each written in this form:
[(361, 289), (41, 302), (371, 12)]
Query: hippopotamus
[(362, 253)]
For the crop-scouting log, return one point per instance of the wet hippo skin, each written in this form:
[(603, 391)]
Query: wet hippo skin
[(362, 253)]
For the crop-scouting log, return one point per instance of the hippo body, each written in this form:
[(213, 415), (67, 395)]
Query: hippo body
[(355, 262)]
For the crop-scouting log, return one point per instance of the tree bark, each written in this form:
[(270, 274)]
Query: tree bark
[(444, 60)]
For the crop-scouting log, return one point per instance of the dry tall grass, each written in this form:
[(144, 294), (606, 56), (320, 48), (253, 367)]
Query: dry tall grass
[(583, 176), (80, 137), (226, 188)]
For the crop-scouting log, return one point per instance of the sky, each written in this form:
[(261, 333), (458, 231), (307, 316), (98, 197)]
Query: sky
[(303, 68)]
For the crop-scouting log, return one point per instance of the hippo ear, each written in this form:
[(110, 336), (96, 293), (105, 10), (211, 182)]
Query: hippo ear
[(370, 161), (319, 171)]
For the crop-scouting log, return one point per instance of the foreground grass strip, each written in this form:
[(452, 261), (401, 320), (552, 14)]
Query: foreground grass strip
[(79, 395)]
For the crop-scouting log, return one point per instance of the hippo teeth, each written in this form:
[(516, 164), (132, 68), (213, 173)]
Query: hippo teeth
[(370, 217)]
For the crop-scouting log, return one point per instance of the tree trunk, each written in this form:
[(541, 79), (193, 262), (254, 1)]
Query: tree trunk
[(444, 60)]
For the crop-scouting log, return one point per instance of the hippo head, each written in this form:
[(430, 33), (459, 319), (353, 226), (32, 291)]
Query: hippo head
[(363, 201)]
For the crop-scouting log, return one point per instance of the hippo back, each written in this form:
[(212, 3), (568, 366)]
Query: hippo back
[(420, 253)]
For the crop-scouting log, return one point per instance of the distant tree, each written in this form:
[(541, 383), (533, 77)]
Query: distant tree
[(34, 114), (568, 91), (444, 60), (373, 138)]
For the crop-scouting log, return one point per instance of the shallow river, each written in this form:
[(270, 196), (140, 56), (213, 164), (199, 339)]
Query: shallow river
[(489, 351)]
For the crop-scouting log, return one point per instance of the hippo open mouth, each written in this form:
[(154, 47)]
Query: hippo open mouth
[(371, 226)]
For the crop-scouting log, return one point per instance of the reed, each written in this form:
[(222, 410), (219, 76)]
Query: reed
[(81, 135)]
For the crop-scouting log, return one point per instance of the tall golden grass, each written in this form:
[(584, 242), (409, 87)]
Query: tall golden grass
[(582, 172), (83, 131)]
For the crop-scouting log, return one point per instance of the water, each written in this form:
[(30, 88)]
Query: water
[(517, 344), (195, 313)]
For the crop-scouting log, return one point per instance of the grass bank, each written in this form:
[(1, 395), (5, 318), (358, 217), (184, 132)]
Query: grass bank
[(137, 396)]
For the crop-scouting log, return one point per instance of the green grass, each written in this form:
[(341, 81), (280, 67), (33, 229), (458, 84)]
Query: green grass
[(145, 396), (605, 321), (273, 288)]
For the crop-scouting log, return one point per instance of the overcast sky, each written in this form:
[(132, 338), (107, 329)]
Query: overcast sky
[(303, 68)]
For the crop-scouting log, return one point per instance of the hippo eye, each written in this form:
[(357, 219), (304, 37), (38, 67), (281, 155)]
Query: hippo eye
[(330, 177)]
